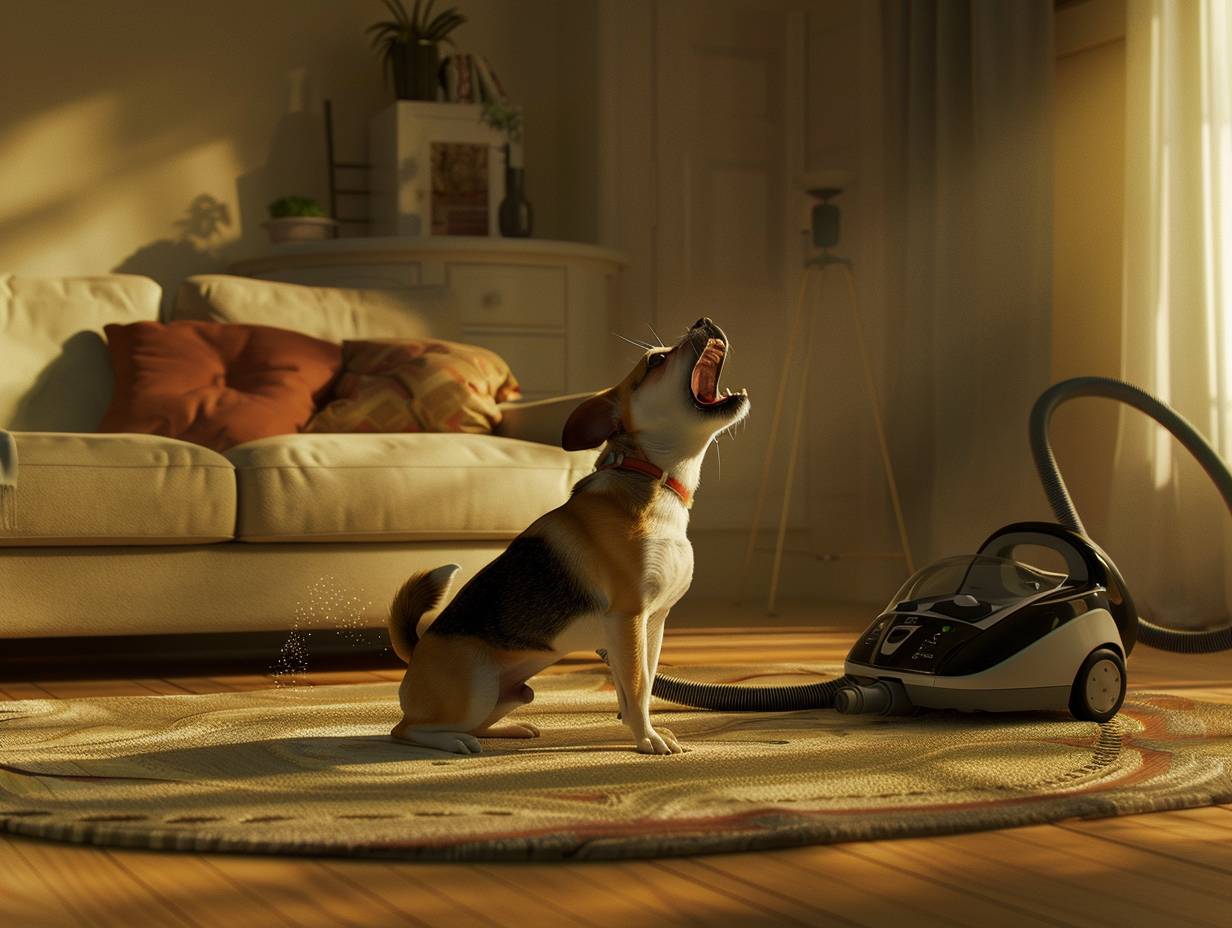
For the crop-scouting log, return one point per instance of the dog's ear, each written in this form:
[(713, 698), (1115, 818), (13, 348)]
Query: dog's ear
[(592, 423)]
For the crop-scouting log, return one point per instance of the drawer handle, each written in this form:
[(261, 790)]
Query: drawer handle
[(491, 299)]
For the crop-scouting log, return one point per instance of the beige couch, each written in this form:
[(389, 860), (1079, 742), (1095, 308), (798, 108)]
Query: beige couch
[(137, 534)]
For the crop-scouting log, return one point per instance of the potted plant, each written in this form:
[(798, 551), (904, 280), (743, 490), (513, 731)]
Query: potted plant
[(408, 44), (298, 219), (516, 215)]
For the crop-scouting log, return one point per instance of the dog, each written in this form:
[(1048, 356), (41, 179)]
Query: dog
[(602, 570)]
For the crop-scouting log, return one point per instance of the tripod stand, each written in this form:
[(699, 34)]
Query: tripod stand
[(815, 271)]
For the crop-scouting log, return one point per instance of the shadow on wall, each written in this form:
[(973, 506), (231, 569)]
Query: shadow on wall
[(208, 237), (295, 161), (200, 246), (164, 118), (56, 402)]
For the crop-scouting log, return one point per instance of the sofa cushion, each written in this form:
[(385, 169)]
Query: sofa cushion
[(214, 384), (55, 374), (417, 385), (333, 313), (75, 489), (415, 487)]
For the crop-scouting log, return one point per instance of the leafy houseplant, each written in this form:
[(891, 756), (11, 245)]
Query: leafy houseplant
[(285, 207), (504, 117), (298, 219), (408, 44)]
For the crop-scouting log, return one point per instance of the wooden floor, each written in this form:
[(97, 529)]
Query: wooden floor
[(1162, 869)]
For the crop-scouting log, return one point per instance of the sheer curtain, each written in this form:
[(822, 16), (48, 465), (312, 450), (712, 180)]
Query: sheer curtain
[(968, 95), (1168, 529)]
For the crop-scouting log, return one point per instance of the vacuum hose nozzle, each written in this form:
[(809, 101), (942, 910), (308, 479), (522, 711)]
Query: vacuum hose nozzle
[(881, 697)]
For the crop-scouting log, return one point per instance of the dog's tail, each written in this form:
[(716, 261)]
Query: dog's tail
[(422, 593)]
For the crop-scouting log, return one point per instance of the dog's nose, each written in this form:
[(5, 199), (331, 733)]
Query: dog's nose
[(703, 322)]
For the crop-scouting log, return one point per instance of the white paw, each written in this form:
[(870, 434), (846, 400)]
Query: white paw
[(660, 741), (455, 742), (469, 744)]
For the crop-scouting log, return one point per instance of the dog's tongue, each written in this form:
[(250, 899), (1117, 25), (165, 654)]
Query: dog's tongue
[(705, 381)]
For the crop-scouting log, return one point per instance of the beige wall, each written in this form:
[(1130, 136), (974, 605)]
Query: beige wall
[(148, 137), (1087, 258)]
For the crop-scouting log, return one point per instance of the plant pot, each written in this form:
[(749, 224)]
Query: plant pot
[(300, 229), (416, 67), (517, 216)]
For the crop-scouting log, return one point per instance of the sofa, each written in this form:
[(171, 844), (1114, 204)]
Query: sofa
[(135, 534)]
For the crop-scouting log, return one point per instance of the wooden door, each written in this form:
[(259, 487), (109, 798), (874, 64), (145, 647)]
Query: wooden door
[(728, 146)]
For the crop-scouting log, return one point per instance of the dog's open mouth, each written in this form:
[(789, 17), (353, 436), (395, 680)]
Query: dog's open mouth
[(704, 382)]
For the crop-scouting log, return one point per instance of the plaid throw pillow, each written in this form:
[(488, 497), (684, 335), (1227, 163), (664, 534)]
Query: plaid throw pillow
[(416, 385)]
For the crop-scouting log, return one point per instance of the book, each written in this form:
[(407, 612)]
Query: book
[(466, 78), (490, 88), (449, 79)]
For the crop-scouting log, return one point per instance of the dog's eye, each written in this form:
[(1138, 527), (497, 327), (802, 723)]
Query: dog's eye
[(655, 360)]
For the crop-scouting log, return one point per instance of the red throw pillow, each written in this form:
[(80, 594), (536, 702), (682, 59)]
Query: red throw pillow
[(215, 384), (417, 385)]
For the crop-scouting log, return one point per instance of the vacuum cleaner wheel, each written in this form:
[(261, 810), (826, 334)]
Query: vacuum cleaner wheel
[(1099, 687)]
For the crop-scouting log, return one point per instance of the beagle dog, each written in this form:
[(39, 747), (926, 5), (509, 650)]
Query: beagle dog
[(602, 570)]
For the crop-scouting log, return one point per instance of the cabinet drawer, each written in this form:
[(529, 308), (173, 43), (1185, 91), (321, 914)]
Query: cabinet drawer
[(538, 361), (496, 294)]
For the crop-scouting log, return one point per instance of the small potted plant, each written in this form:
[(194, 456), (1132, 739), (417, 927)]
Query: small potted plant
[(298, 219), (517, 216), (408, 44)]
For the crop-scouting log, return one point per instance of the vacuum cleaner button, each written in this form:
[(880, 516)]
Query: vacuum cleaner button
[(963, 606), (893, 641)]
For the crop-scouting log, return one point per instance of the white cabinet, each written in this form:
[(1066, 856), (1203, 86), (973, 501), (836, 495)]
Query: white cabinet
[(407, 142), (545, 307)]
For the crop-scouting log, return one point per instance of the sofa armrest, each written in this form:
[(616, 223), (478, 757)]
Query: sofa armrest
[(541, 421), (8, 481)]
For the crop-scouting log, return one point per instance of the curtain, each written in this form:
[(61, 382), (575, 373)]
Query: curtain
[(968, 201), (1168, 529)]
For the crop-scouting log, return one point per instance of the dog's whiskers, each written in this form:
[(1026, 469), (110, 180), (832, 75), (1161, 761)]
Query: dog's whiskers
[(656, 335), (645, 346)]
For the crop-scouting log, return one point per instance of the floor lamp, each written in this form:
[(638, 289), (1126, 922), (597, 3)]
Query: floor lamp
[(823, 186)]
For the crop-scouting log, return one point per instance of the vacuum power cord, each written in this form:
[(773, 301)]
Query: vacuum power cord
[(1167, 639)]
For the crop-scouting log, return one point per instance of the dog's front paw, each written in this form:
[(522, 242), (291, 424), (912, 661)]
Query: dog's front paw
[(659, 741)]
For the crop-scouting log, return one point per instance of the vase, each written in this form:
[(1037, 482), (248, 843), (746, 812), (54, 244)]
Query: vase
[(517, 217), (300, 229), (416, 66)]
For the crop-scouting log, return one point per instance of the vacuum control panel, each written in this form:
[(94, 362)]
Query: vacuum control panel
[(910, 642)]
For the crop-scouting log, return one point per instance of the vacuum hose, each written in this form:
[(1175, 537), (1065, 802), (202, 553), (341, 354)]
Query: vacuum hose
[(1168, 639), (848, 695), (729, 697)]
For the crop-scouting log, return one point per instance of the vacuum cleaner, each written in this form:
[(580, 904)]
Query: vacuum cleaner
[(991, 633)]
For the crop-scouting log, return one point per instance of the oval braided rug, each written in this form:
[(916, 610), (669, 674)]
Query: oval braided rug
[(311, 770)]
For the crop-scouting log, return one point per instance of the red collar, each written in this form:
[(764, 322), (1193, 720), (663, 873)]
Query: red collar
[(617, 460)]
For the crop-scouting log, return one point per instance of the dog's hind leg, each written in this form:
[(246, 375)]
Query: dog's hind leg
[(510, 699), (450, 689), (517, 667)]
